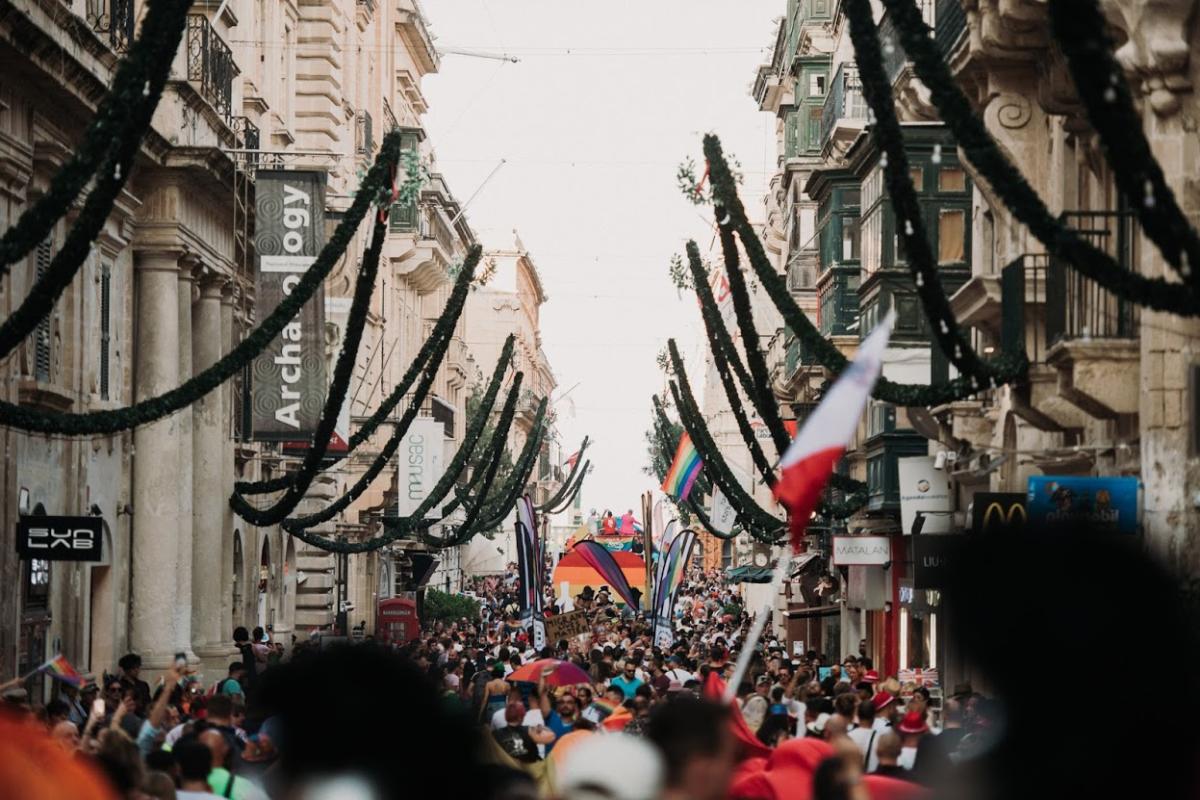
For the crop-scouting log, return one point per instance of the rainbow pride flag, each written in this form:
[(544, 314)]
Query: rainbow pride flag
[(684, 469), (58, 667)]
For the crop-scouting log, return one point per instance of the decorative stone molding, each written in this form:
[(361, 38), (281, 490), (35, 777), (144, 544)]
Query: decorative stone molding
[(1009, 110), (1156, 52)]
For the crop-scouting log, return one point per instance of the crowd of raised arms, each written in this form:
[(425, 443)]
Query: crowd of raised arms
[(599, 714)]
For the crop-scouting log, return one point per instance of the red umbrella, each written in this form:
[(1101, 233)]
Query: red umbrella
[(562, 673)]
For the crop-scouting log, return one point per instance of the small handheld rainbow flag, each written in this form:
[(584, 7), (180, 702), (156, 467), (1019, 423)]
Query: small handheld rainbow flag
[(58, 667), (684, 469)]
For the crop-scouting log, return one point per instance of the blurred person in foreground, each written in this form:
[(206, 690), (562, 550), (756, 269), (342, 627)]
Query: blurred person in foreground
[(697, 746)]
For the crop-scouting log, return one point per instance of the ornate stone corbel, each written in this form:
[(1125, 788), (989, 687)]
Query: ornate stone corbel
[(1155, 54)]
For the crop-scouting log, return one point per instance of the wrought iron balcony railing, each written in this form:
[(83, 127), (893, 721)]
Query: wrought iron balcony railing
[(114, 20), (248, 137), (844, 101), (210, 65), (1043, 301)]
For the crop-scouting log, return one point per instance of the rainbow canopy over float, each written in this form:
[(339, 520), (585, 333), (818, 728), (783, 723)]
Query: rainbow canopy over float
[(573, 571)]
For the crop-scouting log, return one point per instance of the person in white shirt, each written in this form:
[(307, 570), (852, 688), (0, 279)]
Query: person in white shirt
[(676, 672), (866, 736), (912, 728)]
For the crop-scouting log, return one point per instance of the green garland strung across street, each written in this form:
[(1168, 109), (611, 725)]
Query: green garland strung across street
[(448, 319), (122, 117), (571, 495), (557, 498), (400, 527), (492, 459), (922, 263), (364, 288), (428, 375), (693, 423), (1081, 32), (111, 421), (1009, 365), (717, 334), (123, 148), (1008, 182), (498, 509), (760, 387)]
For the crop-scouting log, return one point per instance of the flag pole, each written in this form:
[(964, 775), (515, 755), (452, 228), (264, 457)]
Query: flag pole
[(760, 622), (648, 546)]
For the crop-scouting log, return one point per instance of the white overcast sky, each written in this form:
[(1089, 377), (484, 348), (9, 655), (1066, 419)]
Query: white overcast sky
[(607, 100)]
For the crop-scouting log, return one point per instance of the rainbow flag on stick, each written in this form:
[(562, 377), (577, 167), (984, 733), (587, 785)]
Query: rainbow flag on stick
[(58, 667), (684, 469)]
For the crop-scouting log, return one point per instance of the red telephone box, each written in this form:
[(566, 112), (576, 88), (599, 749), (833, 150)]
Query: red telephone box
[(397, 622)]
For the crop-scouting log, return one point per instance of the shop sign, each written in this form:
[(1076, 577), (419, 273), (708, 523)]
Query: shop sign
[(923, 488), (993, 512), (421, 456), (289, 381), (934, 557), (1107, 505), (861, 550), (60, 538)]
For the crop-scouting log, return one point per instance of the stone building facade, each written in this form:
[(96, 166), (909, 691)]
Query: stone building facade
[(1081, 412), (169, 287)]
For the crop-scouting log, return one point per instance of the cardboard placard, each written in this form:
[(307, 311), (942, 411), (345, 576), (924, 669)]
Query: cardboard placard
[(564, 626)]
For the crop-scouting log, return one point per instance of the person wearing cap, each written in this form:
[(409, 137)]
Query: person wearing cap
[(887, 710), (913, 729), (587, 772)]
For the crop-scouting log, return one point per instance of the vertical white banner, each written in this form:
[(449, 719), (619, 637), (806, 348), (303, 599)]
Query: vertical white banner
[(421, 461)]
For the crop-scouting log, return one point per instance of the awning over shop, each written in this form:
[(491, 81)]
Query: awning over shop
[(749, 574)]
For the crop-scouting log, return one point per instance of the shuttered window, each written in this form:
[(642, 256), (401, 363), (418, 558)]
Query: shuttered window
[(403, 218), (105, 327), (41, 350)]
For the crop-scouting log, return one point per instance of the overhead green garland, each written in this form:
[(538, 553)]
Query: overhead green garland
[(562, 492), (569, 498), (492, 463), (1007, 181), (429, 350), (121, 121), (1008, 364), (693, 423), (364, 288), (720, 346), (1082, 35), (502, 503), (760, 386), (123, 145), (428, 375), (922, 263), (111, 421)]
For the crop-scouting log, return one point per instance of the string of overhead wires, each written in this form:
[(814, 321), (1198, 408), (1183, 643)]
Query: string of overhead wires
[(526, 52)]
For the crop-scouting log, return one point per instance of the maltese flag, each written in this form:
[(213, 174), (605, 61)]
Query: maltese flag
[(808, 463)]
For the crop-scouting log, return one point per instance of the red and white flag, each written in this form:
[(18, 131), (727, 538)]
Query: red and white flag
[(808, 463), (572, 459)]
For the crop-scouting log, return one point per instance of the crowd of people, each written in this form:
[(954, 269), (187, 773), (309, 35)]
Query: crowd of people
[(602, 714)]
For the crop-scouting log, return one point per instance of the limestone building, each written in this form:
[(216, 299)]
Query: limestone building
[(1109, 392), (169, 287)]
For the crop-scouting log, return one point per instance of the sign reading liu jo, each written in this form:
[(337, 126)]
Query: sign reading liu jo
[(289, 375), (861, 550), (60, 538)]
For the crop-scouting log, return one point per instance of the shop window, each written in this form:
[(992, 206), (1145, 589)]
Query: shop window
[(952, 179), (952, 226)]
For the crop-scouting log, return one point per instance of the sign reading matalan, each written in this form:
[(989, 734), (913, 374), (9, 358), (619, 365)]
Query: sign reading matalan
[(861, 550), (289, 375)]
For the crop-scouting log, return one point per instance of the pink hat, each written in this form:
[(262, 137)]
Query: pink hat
[(913, 722), (882, 700)]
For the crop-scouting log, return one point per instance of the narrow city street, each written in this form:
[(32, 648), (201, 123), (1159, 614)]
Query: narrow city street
[(516, 399)]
